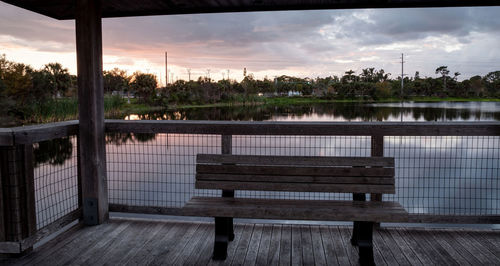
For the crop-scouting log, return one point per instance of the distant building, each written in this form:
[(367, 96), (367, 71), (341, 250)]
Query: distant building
[(294, 93)]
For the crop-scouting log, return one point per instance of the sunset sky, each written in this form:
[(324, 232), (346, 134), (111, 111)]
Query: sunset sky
[(305, 43)]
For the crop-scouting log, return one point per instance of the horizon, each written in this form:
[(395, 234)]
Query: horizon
[(294, 43)]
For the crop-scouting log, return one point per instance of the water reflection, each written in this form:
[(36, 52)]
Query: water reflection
[(484, 111), (54, 152)]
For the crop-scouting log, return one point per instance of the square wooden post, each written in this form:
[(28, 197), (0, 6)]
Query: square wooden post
[(91, 111), (17, 196)]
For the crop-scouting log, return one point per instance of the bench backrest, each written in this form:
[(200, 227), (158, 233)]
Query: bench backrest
[(295, 173)]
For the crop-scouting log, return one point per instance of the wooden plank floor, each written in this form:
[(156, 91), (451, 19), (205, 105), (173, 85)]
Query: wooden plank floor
[(148, 242)]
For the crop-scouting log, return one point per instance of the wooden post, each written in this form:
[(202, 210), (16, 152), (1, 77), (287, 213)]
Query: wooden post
[(17, 195), (91, 111), (227, 148), (377, 150), (2, 200)]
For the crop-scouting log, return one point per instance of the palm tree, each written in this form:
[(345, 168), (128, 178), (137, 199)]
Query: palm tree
[(443, 70)]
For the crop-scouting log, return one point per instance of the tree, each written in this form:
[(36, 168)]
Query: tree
[(144, 85), (17, 81), (381, 76), (443, 70), (492, 81), (116, 80), (41, 81), (59, 78), (417, 75), (349, 77), (367, 74)]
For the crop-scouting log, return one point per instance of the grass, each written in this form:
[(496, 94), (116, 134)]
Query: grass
[(453, 99), (114, 106), (63, 109)]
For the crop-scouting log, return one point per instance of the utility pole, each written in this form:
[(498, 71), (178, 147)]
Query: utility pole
[(402, 76), (223, 75), (228, 74), (208, 73), (166, 70), (189, 74), (402, 84)]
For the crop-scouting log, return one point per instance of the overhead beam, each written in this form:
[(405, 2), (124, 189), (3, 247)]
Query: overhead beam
[(92, 144), (66, 9)]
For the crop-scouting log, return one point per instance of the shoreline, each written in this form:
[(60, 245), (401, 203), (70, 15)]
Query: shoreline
[(125, 109)]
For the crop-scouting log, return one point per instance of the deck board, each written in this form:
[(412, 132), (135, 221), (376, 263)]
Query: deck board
[(285, 245), (253, 247), (405, 249), (162, 242), (265, 242), (274, 246)]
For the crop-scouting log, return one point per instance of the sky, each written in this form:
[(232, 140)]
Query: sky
[(268, 44)]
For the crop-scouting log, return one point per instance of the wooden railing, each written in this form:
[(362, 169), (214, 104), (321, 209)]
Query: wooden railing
[(18, 227), (17, 209)]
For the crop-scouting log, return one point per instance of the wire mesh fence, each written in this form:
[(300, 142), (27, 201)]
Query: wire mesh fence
[(446, 175), (55, 179), (434, 175), (155, 170)]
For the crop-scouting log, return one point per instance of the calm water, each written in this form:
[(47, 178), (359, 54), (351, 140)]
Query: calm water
[(409, 111), (438, 175)]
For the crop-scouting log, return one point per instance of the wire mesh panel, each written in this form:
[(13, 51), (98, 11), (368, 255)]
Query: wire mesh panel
[(446, 175), (159, 170), (354, 146), (443, 175), (155, 170), (56, 179)]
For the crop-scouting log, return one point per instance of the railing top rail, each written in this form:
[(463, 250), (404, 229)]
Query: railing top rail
[(37, 133), (306, 128), (6, 137)]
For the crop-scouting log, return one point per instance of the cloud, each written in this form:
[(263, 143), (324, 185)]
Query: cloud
[(390, 25), (308, 43)]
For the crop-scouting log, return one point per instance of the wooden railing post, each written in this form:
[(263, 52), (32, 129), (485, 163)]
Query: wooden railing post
[(91, 111), (17, 197), (227, 148), (377, 150)]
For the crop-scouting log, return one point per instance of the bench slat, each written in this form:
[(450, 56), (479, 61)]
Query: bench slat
[(289, 170), (295, 160), (306, 210), (263, 202), (297, 179), (298, 187)]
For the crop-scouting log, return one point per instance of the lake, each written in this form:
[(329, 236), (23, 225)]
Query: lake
[(435, 175), (407, 112)]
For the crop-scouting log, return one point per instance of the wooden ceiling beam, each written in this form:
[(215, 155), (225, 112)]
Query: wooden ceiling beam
[(65, 9)]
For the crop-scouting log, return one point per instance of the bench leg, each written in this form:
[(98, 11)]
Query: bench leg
[(355, 227), (229, 194), (365, 243), (230, 229), (355, 233), (221, 238)]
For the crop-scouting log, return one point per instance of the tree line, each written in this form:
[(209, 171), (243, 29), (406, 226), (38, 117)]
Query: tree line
[(24, 90)]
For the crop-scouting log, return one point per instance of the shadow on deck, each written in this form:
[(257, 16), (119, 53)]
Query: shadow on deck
[(153, 242)]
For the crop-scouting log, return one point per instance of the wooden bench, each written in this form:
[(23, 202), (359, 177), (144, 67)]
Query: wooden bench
[(357, 175)]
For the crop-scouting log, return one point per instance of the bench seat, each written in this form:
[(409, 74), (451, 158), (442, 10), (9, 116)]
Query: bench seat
[(281, 209)]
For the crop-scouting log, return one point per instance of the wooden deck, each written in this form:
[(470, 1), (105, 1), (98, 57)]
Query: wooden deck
[(155, 242)]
